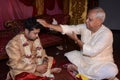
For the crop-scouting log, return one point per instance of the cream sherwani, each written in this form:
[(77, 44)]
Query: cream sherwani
[(95, 60), (16, 53)]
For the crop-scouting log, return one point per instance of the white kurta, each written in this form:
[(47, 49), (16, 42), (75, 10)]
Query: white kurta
[(96, 59)]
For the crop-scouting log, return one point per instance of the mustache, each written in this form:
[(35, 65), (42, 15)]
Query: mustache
[(33, 39)]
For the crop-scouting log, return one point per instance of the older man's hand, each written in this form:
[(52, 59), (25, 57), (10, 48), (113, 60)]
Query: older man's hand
[(43, 22)]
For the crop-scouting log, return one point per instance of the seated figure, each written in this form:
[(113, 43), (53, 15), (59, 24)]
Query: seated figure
[(26, 55), (95, 59)]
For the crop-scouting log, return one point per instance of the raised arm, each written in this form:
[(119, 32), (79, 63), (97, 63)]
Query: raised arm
[(51, 26)]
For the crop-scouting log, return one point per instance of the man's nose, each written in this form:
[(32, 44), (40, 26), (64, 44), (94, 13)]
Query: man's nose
[(36, 35), (86, 20)]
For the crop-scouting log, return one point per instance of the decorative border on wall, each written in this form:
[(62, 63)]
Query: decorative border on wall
[(78, 11)]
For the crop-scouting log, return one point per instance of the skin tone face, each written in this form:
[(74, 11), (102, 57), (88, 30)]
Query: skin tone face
[(93, 23), (32, 35)]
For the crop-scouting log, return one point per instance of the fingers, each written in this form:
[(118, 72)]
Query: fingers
[(43, 22), (56, 70), (71, 67), (42, 68), (75, 35), (39, 20)]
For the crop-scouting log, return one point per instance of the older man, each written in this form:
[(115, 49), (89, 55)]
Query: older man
[(95, 60)]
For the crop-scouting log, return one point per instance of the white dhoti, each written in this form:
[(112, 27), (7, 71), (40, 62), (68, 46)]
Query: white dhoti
[(93, 70)]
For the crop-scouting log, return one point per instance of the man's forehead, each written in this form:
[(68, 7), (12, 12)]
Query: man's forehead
[(91, 14), (35, 30)]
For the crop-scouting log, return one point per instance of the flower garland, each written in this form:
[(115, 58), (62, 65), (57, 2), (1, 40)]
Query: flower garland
[(28, 54)]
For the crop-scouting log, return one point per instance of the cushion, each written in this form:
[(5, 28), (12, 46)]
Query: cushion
[(50, 39), (5, 36)]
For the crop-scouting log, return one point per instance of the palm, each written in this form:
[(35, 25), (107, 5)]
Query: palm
[(42, 22)]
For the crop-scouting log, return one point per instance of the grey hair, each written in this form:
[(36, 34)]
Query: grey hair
[(100, 13)]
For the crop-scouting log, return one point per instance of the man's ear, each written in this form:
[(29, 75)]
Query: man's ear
[(26, 31), (99, 21)]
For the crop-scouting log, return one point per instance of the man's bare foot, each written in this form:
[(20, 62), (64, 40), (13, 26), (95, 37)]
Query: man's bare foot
[(56, 70), (72, 67)]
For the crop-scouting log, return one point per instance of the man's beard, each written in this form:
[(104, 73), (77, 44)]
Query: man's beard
[(32, 39)]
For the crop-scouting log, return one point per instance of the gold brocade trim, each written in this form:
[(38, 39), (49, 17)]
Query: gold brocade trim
[(78, 11), (66, 6), (39, 7)]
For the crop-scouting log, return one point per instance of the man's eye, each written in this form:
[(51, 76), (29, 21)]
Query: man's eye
[(90, 19)]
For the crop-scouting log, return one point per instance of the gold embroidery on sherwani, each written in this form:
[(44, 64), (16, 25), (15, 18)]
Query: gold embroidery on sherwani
[(16, 53), (28, 48)]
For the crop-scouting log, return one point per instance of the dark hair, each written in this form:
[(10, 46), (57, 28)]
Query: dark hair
[(31, 24)]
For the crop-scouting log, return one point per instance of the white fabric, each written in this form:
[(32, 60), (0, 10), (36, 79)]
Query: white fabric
[(54, 21), (96, 55)]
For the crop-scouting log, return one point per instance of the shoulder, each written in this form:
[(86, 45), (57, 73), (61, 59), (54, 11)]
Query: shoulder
[(106, 30), (105, 33), (15, 40)]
